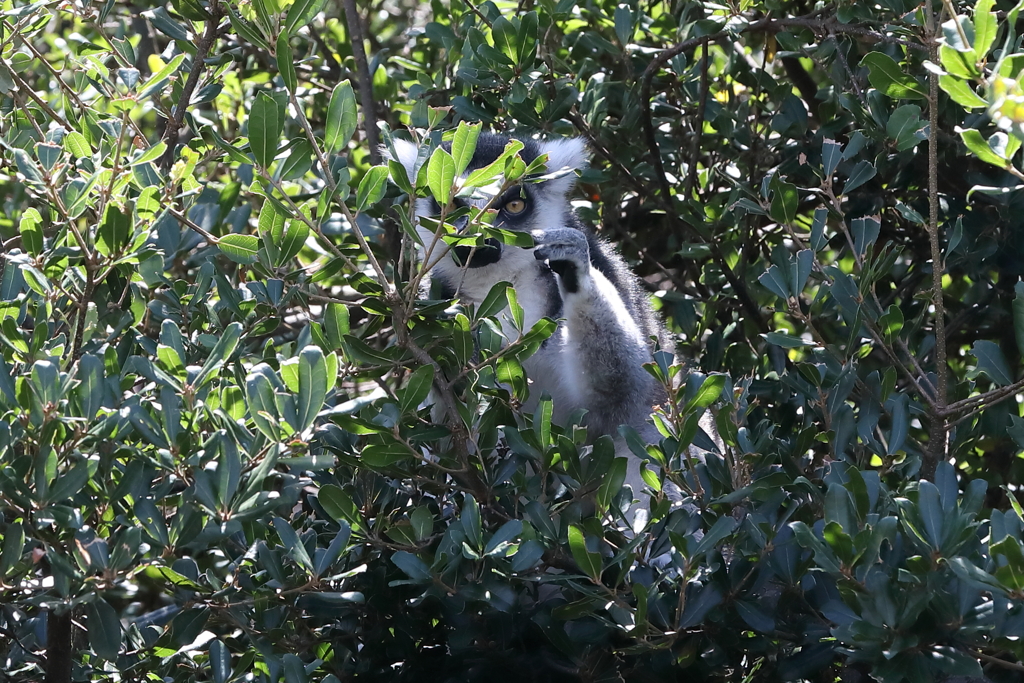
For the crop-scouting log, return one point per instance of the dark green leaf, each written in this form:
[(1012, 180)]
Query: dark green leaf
[(341, 118), (588, 561), (265, 127), (991, 362), (861, 173), (371, 187), (312, 386), (417, 388), (885, 75), (104, 630)]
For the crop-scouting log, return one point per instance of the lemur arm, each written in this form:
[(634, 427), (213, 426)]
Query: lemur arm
[(603, 338)]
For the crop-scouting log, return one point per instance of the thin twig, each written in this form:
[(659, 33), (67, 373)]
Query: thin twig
[(203, 45), (355, 34), (1016, 666), (22, 85), (184, 220)]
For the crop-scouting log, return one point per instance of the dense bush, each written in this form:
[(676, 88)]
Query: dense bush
[(236, 441)]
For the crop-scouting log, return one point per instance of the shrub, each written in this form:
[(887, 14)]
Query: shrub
[(237, 442)]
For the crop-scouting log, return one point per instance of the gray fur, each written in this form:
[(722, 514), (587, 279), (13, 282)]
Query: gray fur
[(593, 360)]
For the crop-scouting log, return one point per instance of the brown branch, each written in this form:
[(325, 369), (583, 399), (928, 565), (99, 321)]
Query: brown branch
[(698, 124), (203, 46), (355, 34), (58, 646), (937, 427), (22, 85), (1015, 666)]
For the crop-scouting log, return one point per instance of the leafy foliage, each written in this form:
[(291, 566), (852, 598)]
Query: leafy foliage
[(237, 442)]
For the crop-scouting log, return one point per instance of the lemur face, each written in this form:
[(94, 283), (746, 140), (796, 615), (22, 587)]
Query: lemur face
[(526, 207)]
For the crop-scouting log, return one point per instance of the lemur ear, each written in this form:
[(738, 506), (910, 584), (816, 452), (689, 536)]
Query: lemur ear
[(407, 153), (571, 153)]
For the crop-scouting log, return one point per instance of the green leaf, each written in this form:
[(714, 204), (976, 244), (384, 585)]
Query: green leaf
[(13, 545), (220, 661), (786, 341), (441, 175), (371, 187), (504, 35), (104, 630), (77, 145), (991, 362), (289, 240), (484, 175), (785, 201), (286, 63), (464, 144), (887, 77), (961, 92), (1012, 573), (338, 504), (113, 233), (611, 483), (158, 80), (589, 562), (301, 13), (709, 391), (240, 248), (293, 543), (417, 388), (69, 483), (861, 173), (336, 324), (774, 281), (891, 324), (339, 543), (342, 118), (905, 126), (957, 63), (498, 543), (31, 231), (221, 351), (294, 669), (271, 222), (495, 300), (865, 233), (980, 148), (831, 155), (623, 21), (471, 522), (413, 566), (312, 386), (930, 509), (265, 126), (900, 423)]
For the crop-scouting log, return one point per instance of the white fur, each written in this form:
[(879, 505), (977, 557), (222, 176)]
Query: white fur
[(564, 153)]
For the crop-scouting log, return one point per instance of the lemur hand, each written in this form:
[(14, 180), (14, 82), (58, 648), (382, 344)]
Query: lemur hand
[(567, 253)]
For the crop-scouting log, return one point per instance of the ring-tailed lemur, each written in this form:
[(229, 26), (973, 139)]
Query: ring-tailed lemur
[(607, 327)]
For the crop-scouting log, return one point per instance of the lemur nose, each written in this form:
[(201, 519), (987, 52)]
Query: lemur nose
[(484, 255)]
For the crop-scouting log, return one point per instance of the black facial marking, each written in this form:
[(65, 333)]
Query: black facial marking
[(486, 254)]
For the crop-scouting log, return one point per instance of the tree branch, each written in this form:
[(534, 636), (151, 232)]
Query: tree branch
[(937, 428), (355, 34), (203, 46)]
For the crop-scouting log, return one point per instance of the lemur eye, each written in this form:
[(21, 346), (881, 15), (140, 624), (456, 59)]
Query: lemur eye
[(515, 206)]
